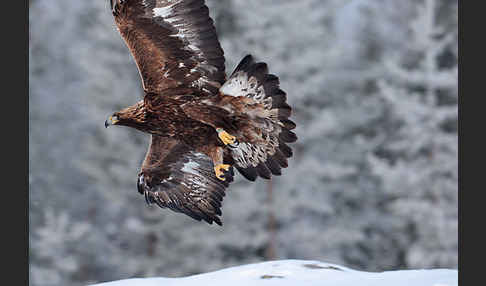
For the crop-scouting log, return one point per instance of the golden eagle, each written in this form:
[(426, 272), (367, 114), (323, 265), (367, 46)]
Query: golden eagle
[(202, 122)]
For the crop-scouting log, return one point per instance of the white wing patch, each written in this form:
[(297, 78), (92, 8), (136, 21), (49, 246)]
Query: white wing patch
[(240, 85), (198, 181), (190, 167), (162, 12)]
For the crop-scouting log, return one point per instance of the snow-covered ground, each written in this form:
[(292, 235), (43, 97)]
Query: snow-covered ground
[(301, 272)]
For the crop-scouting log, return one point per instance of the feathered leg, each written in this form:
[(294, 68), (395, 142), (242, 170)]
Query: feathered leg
[(222, 171), (227, 138)]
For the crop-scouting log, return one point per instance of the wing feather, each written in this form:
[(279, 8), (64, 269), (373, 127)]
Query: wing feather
[(174, 176), (174, 44)]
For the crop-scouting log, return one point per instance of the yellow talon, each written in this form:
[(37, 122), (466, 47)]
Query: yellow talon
[(218, 171), (225, 136)]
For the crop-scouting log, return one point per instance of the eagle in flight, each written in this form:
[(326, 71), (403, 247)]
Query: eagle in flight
[(202, 123)]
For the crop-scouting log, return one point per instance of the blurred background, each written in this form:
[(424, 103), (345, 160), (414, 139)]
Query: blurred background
[(372, 184)]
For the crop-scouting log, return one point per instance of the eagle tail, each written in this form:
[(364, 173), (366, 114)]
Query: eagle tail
[(269, 155)]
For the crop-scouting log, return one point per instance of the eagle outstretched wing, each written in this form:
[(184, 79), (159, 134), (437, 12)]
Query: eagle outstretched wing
[(175, 176), (174, 44)]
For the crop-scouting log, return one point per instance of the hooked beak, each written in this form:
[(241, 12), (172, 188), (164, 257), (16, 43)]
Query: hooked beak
[(110, 121)]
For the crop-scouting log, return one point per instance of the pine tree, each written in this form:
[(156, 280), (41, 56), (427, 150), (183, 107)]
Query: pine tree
[(417, 163)]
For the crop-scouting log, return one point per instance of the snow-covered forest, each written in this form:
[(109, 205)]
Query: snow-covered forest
[(372, 184)]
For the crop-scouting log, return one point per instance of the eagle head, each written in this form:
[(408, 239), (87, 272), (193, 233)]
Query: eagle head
[(132, 116), (112, 120)]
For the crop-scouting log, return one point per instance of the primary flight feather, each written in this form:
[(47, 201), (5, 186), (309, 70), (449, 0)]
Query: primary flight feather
[(202, 122)]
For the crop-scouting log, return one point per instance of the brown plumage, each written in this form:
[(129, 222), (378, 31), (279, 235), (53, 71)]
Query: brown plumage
[(201, 122)]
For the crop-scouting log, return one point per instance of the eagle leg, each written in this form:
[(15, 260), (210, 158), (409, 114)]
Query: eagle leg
[(227, 138), (220, 169)]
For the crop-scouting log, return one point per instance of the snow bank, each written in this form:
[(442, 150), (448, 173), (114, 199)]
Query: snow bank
[(301, 272)]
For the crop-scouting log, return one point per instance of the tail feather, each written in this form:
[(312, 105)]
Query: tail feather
[(244, 64), (258, 70), (289, 124), (279, 99), (285, 149), (263, 171), (273, 166), (269, 155), (284, 112), (280, 158), (250, 173), (288, 136)]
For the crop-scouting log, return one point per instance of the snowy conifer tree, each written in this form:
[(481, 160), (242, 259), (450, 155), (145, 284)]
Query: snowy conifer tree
[(417, 163)]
